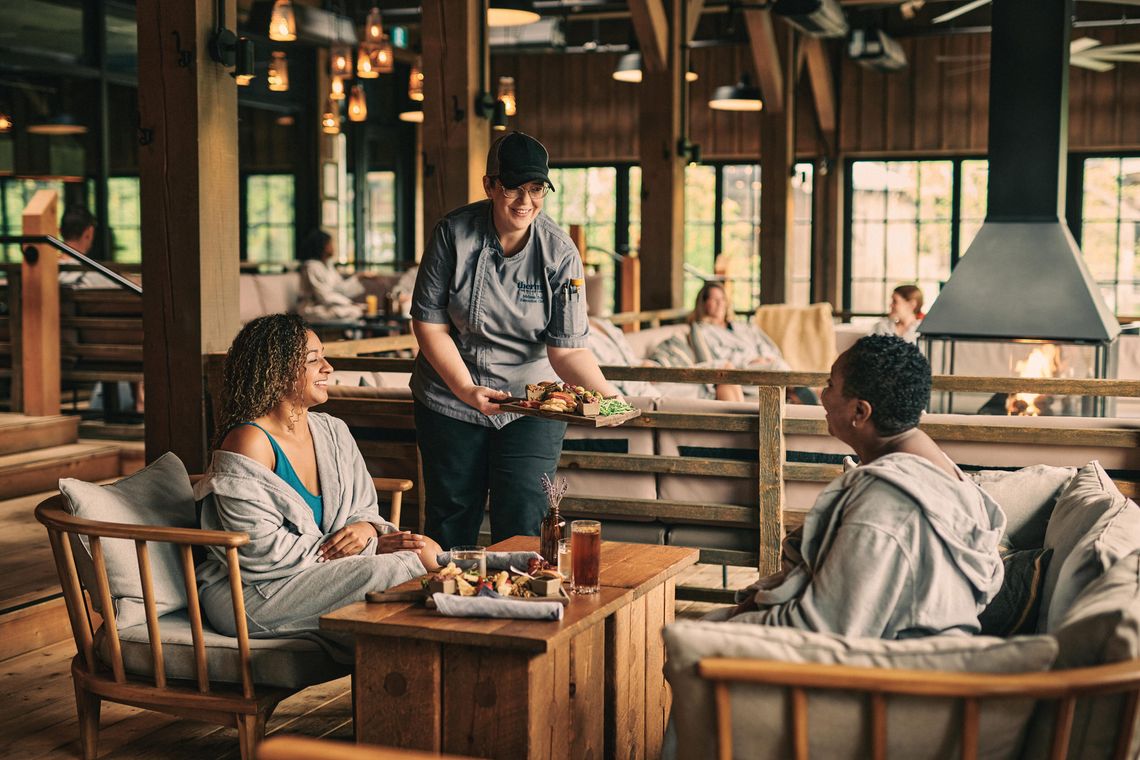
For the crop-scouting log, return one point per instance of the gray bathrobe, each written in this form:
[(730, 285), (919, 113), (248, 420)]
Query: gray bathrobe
[(285, 589), (892, 549)]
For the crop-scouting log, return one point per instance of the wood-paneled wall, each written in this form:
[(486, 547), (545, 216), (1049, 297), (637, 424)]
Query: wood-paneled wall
[(937, 105)]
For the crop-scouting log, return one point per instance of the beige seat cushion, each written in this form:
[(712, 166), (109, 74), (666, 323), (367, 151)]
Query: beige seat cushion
[(643, 342), (805, 334), (279, 292), (917, 729), (249, 299), (287, 663)]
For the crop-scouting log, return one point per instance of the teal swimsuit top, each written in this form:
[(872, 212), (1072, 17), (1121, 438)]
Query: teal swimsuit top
[(284, 469)]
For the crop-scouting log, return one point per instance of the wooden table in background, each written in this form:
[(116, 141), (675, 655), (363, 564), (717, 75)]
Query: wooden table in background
[(580, 688)]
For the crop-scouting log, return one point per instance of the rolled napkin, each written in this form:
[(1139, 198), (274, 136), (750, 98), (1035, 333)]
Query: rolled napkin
[(496, 560), (488, 604)]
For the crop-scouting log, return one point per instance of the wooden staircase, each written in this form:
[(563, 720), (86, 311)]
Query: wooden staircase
[(35, 452)]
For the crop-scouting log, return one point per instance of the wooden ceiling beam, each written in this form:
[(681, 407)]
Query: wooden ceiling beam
[(693, 17), (652, 28), (822, 85), (766, 58)]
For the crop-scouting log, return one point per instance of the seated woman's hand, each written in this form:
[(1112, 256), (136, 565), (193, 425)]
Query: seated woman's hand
[(347, 542), (402, 541)]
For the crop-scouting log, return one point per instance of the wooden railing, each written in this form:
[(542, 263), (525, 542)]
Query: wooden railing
[(769, 515)]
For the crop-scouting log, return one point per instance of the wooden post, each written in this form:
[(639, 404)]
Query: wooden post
[(39, 319), (827, 234), (771, 452), (578, 235), (631, 288), (662, 170), (777, 157), (188, 167), (455, 138)]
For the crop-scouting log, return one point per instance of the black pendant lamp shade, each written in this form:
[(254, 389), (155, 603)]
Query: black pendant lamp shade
[(628, 69), (742, 96)]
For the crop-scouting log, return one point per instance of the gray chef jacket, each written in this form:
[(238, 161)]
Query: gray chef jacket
[(503, 311)]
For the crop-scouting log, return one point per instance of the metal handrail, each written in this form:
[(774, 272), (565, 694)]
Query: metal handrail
[(31, 255)]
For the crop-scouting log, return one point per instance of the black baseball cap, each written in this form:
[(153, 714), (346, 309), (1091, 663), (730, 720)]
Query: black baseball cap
[(517, 158)]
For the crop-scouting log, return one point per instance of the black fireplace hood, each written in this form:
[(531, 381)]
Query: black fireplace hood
[(1023, 277)]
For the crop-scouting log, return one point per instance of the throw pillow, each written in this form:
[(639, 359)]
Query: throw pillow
[(1014, 610), (1102, 626), (838, 729), (1027, 496), (158, 495), (1092, 527)]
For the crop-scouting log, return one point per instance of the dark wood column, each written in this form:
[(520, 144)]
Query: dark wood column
[(662, 171), (777, 156), (188, 168), (455, 138)]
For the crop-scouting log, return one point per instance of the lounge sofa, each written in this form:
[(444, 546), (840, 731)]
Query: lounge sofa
[(1083, 612)]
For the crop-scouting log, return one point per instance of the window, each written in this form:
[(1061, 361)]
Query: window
[(269, 235), (901, 228), (124, 218), (587, 196), (1110, 229), (802, 188), (701, 234), (975, 176), (380, 229)]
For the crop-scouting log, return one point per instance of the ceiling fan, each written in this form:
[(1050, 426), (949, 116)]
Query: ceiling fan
[(965, 8), (1084, 52)]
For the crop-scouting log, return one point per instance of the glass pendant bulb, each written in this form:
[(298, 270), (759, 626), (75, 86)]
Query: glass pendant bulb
[(373, 27), (336, 89), (330, 119), (278, 78), (282, 22), (416, 82), (340, 61), (357, 104), (5, 122), (364, 68), (382, 57), (507, 95)]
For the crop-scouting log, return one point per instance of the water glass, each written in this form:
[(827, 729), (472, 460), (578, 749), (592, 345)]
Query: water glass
[(468, 558), (564, 563), (586, 555)]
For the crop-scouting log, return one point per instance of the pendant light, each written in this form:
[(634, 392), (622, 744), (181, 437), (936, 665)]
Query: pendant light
[(244, 65), (628, 69), (742, 96), (357, 104), (373, 27), (60, 125), (330, 119), (507, 95), (336, 89), (364, 69), (5, 123), (282, 22), (499, 117), (413, 113), (340, 61), (382, 58), (511, 13), (278, 78), (416, 82)]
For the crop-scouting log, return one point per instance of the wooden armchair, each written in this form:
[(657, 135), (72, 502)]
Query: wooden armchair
[(972, 689), (168, 667)]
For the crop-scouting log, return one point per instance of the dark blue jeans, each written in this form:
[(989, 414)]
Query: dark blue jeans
[(463, 462)]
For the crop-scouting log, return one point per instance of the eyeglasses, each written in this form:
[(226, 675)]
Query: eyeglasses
[(536, 192)]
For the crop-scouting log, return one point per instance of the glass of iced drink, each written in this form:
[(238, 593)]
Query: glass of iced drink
[(586, 555)]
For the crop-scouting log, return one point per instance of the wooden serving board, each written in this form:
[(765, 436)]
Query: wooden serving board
[(598, 421), (379, 597), (562, 598)]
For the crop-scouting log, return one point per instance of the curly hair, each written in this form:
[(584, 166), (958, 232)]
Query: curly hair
[(262, 369), (893, 377)]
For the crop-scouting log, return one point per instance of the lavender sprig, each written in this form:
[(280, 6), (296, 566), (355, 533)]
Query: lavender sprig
[(554, 490)]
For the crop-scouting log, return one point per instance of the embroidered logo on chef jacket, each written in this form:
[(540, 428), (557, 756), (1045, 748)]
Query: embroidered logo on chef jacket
[(530, 292)]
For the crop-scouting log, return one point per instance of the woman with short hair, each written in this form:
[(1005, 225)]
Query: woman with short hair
[(903, 545), (295, 481), (904, 316)]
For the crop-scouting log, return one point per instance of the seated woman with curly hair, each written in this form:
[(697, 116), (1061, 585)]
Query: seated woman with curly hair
[(295, 481), (903, 545)]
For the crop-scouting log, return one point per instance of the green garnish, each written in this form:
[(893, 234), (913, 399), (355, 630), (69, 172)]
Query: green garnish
[(611, 406)]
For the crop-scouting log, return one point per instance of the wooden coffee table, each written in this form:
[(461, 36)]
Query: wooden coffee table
[(581, 687)]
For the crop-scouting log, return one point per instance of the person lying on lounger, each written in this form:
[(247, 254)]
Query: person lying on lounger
[(903, 545)]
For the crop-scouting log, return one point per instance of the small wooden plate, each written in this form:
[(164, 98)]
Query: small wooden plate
[(598, 421)]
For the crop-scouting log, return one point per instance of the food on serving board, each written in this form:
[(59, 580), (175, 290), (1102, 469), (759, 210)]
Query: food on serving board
[(562, 398)]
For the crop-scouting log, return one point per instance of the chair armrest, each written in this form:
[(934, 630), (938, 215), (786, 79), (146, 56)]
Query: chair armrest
[(392, 484), (60, 520)]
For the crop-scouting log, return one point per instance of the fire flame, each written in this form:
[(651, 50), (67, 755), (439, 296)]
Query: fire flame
[(1042, 362)]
